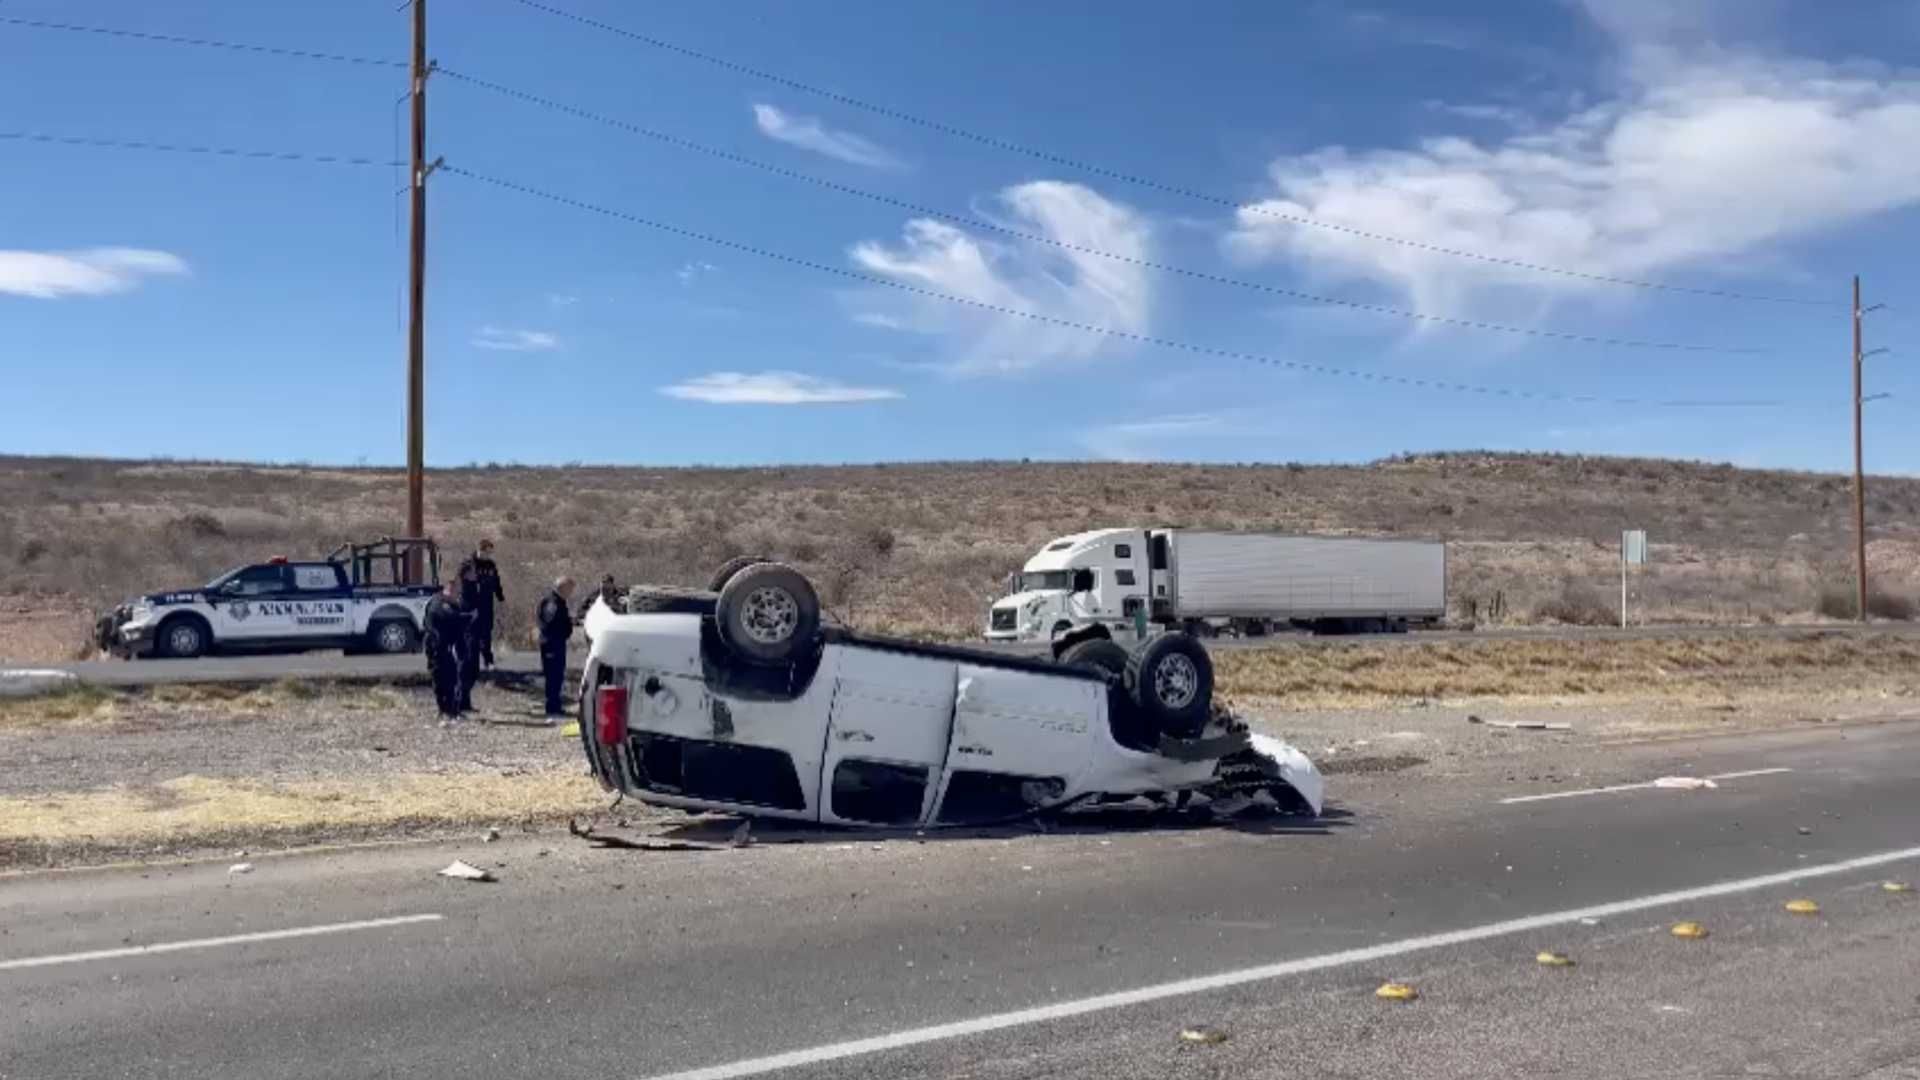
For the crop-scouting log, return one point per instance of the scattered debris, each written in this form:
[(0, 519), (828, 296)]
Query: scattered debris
[(1692, 931), (1685, 783), (1553, 959), (1805, 830), (742, 836), (1895, 886), (609, 840), (1394, 991), (570, 729), (240, 868), (1521, 725), (1803, 907), (490, 836), (1203, 1035), (467, 872), (1589, 922)]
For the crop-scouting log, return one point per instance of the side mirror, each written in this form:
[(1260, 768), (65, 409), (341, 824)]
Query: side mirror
[(1083, 580)]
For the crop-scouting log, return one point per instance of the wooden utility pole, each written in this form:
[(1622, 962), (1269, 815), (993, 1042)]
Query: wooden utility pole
[(1859, 473), (417, 293)]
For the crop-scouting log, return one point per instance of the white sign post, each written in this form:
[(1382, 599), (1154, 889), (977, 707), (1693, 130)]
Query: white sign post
[(1633, 552)]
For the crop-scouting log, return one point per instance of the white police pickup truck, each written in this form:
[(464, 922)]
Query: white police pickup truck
[(356, 599)]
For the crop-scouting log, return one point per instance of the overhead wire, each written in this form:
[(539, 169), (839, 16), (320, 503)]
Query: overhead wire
[(186, 148), (200, 42), (978, 222), (1238, 205), (1090, 328)]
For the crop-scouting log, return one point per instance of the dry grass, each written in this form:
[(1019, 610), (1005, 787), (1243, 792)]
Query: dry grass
[(95, 707), (921, 548), (197, 811), (1672, 670)]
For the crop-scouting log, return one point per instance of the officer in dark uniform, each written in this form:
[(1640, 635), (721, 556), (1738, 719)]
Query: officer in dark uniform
[(468, 646), (609, 592), (447, 628), (479, 595), (556, 626)]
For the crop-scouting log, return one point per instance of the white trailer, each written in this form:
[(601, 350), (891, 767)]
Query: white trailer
[(1129, 583)]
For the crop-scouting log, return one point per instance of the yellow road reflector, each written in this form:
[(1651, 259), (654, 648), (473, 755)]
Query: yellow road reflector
[(1202, 1035), (1689, 930), (1803, 907), (571, 731), (1895, 886), (1396, 992), (1553, 959)]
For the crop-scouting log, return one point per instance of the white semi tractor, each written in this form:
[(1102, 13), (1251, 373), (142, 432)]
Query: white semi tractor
[(1128, 584)]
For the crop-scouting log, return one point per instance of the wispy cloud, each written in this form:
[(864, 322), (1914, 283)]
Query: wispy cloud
[(1150, 439), (773, 388), (502, 339), (694, 269), (808, 133), (49, 275), (561, 300), (1055, 282), (876, 319)]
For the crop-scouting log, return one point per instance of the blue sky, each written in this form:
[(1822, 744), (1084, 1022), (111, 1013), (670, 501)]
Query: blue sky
[(184, 305)]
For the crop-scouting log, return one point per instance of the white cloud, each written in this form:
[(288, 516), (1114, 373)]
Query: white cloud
[(561, 300), (1156, 438), (876, 319), (508, 340), (49, 275), (1020, 276), (689, 271), (808, 133), (1704, 155), (773, 388)]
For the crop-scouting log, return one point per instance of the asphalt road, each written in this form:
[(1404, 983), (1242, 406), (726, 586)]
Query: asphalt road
[(334, 665), (1079, 952)]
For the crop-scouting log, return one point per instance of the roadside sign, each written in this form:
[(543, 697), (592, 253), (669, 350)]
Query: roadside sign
[(1633, 547)]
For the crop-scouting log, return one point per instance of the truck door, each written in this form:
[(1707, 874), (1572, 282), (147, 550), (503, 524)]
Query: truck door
[(1019, 739), (887, 737), (250, 605), (320, 601)]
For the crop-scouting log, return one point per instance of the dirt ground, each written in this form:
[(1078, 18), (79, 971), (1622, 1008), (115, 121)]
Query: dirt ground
[(99, 775)]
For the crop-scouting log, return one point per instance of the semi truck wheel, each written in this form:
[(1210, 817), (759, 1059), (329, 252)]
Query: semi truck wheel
[(768, 613), (1170, 678)]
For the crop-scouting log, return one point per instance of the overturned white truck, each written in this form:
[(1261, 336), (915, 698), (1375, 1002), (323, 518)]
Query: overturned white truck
[(1129, 584), (737, 699)]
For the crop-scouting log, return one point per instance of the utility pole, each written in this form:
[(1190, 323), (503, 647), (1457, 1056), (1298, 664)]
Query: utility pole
[(417, 294), (1859, 473)]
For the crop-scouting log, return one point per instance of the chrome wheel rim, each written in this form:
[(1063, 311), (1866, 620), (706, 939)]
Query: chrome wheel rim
[(1175, 681), (769, 616)]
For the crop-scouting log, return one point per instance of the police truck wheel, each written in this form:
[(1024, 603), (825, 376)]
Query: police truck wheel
[(768, 614), (1102, 653), (391, 636), (182, 638), (732, 567), (1170, 678)]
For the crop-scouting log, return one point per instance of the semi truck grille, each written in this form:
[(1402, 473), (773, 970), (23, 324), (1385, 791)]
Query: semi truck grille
[(1003, 618)]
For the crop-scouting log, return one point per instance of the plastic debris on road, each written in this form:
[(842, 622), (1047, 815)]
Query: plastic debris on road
[(1895, 886), (571, 729), (742, 836), (1689, 930), (240, 868), (1685, 783), (490, 836), (1803, 907), (1202, 1034), (467, 872), (1394, 991), (1553, 959), (1521, 725)]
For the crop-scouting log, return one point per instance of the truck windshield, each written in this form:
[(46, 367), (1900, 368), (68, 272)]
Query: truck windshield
[(1053, 580)]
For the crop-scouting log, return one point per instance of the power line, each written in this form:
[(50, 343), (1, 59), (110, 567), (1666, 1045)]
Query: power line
[(182, 148), (1133, 178), (975, 221), (1125, 335), (206, 43)]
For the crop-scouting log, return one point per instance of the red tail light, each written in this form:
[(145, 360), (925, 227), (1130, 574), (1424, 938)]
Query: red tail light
[(612, 716)]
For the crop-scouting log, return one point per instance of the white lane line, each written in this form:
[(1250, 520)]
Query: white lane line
[(215, 942), (1634, 787), (1184, 987)]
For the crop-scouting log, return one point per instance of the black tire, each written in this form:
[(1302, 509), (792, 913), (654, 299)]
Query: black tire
[(392, 636), (1100, 653), (182, 637), (730, 568), (768, 614), (661, 600), (1170, 679)]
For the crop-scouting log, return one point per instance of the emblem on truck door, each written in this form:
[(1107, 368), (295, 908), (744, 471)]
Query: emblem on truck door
[(239, 610)]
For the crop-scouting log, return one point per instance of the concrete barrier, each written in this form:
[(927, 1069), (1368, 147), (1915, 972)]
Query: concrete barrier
[(34, 682)]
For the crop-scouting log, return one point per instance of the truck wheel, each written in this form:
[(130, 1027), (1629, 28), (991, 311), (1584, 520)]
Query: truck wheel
[(732, 567), (1171, 679), (182, 637), (768, 613), (1101, 653), (391, 636)]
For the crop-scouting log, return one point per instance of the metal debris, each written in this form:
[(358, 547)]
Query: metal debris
[(467, 872), (1521, 725)]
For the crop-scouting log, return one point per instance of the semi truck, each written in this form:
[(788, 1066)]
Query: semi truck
[(1128, 584)]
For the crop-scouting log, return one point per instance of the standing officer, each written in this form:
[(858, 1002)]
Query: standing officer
[(479, 596), (446, 630), (556, 626), (468, 644)]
